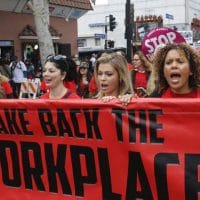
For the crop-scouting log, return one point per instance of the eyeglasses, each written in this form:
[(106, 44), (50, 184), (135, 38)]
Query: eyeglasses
[(135, 59), (55, 58)]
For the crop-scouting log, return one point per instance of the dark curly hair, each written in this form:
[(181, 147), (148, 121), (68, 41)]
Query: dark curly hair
[(191, 55)]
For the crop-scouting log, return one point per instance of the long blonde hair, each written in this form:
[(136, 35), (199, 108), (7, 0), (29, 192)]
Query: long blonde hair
[(119, 63)]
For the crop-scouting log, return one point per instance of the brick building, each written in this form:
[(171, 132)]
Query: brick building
[(18, 35)]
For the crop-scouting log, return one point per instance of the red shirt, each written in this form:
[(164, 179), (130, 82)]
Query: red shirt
[(169, 94), (69, 95), (130, 67), (70, 85), (92, 86), (140, 80), (7, 87)]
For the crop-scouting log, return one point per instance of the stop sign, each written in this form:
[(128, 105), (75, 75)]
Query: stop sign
[(159, 37)]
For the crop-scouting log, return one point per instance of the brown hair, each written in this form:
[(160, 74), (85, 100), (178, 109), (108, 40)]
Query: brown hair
[(146, 64)]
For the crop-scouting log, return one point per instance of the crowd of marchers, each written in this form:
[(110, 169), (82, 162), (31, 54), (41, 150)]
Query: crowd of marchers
[(174, 72)]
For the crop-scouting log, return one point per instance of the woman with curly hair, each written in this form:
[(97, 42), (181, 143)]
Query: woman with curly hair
[(177, 72)]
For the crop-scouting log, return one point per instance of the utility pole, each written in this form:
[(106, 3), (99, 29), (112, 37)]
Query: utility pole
[(129, 29), (106, 31)]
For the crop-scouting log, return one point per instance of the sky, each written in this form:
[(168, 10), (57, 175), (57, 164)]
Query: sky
[(99, 2)]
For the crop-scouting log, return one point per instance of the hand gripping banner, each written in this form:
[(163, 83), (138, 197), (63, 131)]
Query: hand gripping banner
[(86, 149)]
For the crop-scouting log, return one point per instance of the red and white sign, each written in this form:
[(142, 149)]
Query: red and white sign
[(159, 37)]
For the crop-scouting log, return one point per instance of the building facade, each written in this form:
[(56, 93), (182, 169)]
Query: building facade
[(18, 32), (182, 15)]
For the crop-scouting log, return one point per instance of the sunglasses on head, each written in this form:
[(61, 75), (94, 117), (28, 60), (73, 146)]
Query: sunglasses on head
[(55, 58)]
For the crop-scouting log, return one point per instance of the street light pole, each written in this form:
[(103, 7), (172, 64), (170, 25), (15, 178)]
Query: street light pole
[(129, 29), (106, 31)]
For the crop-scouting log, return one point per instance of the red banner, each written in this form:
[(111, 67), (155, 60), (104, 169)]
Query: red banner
[(73, 149)]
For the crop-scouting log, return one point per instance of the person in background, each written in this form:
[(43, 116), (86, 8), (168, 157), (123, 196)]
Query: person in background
[(177, 72), (113, 78), (140, 74), (77, 62), (92, 62), (55, 72), (30, 69), (18, 73), (83, 80), (6, 87)]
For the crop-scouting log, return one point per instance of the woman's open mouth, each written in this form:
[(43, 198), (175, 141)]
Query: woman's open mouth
[(104, 86), (175, 77)]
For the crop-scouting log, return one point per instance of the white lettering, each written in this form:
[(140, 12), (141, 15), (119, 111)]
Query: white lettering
[(171, 36), (150, 47)]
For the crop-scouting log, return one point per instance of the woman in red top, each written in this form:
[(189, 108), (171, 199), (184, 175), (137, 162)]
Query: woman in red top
[(140, 74), (177, 68), (55, 72)]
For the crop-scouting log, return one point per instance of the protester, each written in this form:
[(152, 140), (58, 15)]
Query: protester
[(83, 80), (18, 73), (140, 74), (177, 68), (30, 69), (69, 82), (77, 63), (55, 72), (113, 78)]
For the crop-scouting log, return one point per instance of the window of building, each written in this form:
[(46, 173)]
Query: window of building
[(97, 42), (82, 42)]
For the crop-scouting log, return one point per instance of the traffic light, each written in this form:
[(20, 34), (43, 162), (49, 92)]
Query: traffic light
[(112, 22), (111, 43)]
